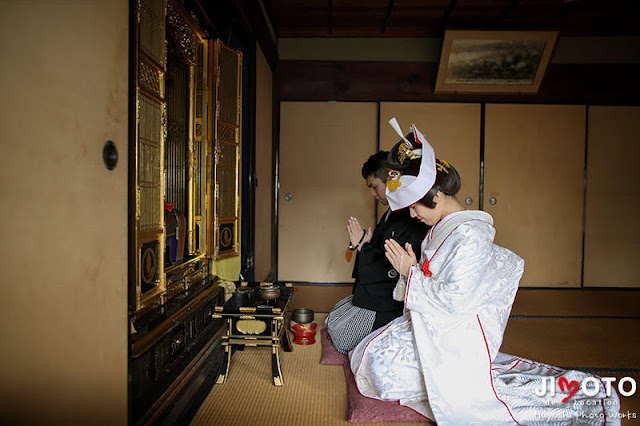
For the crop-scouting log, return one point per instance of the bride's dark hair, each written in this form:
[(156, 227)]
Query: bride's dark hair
[(447, 181), (403, 164)]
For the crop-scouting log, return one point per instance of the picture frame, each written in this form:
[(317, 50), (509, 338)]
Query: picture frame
[(494, 62)]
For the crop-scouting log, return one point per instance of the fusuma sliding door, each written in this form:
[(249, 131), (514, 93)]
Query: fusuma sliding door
[(612, 229), (534, 187), (323, 146)]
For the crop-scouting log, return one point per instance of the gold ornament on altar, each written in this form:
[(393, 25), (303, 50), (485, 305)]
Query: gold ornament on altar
[(251, 326)]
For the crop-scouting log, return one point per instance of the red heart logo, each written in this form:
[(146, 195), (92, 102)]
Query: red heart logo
[(562, 381)]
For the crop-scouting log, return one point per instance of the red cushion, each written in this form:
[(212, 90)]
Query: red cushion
[(361, 408), (369, 410), (330, 356)]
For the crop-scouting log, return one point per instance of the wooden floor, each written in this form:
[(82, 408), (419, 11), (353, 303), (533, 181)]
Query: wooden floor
[(594, 330)]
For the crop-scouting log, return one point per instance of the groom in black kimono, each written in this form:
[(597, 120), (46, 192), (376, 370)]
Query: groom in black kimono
[(371, 305)]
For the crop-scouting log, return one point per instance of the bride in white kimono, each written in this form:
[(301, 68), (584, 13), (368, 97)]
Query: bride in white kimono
[(441, 358)]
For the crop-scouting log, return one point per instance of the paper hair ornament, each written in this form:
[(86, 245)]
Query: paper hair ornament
[(404, 190)]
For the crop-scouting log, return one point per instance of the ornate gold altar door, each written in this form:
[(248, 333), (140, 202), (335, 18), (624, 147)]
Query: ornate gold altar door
[(185, 151)]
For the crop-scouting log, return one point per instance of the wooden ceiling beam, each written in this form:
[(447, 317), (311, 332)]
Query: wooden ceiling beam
[(567, 7), (253, 14), (507, 11), (330, 17), (413, 18), (447, 13), (623, 11), (387, 15), (202, 13)]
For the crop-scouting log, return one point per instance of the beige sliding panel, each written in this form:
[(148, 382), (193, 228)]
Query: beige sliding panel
[(63, 318), (322, 148), (452, 129), (612, 229), (534, 187)]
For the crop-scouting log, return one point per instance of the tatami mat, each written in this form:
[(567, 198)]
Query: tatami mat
[(313, 394), (594, 330)]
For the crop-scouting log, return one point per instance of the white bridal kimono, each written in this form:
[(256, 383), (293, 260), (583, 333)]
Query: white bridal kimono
[(441, 358)]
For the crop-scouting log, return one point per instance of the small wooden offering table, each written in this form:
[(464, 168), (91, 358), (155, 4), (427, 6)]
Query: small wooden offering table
[(255, 322)]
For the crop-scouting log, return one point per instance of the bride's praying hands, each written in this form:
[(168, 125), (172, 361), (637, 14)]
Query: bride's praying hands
[(402, 259)]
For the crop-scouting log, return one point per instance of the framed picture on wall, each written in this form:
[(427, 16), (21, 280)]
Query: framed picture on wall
[(494, 61)]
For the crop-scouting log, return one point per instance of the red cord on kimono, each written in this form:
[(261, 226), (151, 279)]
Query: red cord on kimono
[(425, 268)]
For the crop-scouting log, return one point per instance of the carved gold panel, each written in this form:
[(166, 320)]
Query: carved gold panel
[(251, 326), (150, 78)]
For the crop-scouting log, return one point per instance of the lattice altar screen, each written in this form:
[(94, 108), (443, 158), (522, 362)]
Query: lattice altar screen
[(228, 95)]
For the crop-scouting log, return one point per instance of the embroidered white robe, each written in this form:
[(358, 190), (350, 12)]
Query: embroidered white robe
[(441, 357)]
